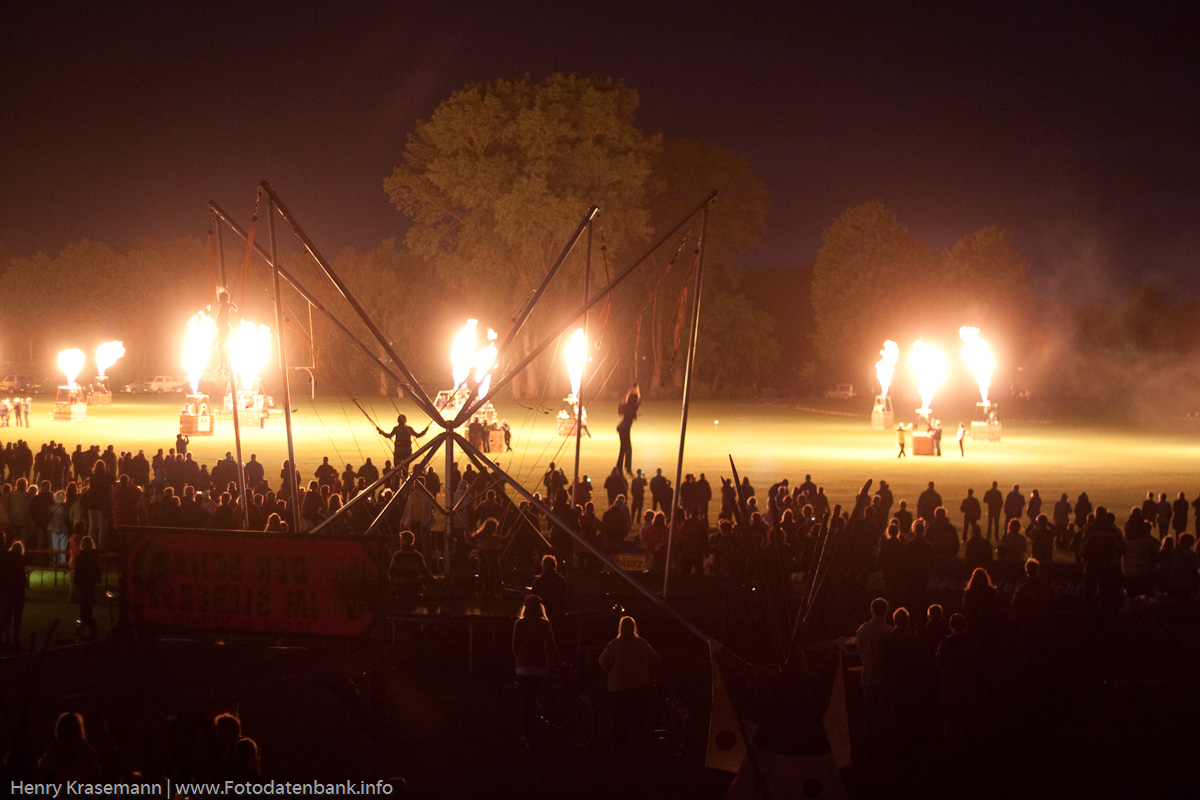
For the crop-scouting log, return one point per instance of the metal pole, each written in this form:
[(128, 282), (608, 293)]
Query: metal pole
[(384, 478), (519, 321), (480, 457), (415, 392), (287, 395), (687, 394), (450, 509), (221, 258), (587, 285), (498, 385), (237, 443), (313, 301)]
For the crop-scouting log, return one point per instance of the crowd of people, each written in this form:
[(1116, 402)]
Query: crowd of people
[(924, 670), (50, 500), (85, 752)]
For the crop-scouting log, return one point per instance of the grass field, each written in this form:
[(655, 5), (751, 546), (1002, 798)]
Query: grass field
[(831, 440)]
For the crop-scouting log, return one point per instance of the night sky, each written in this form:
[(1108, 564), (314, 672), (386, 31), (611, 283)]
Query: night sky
[(1076, 126)]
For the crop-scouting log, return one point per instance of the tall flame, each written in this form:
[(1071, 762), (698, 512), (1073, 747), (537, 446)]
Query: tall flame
[(576, 353), (930, 365), (249, 349), (462, 353), (71, 363), (979, 358), (485, 359), (885, 367), (107, 355), (198, 347)]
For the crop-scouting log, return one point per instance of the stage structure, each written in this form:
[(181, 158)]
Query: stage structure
[(394, 366)]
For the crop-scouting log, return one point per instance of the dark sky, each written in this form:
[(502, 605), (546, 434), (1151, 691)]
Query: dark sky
[(1075, 125)]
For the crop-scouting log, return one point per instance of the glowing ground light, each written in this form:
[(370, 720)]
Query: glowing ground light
[(71, 363), (249, 349), (576, 353), (979, 358), (198, 347), (929, 364), (885, 367), (107, 355)]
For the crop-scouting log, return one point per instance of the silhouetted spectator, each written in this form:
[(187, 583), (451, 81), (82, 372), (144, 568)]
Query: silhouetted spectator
[(971, 510), (13, 584), (1033, 604), (536, 652), (70, 756), (86, 576), (1014, 505), (1100, 552), (551, 586), (1181, 577), (1041, 539), (1179, 516), (1139, 563), (928, 503), (871, 636), (631, 663), (958, 679), (994, 501), (981, 605), (977, 552), (1013, 545), (942, 535)]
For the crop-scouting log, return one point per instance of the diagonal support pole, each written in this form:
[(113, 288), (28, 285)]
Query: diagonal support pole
[(591, 548), (367, 492), (687, 393), (307, 295), (519, 322), (413, 387), (508, 378)]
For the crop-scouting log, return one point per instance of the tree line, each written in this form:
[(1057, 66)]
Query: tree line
[(493, 184)]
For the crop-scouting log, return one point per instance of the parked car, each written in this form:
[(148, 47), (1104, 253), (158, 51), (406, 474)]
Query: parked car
[(164, 383), (20, 384), (843, 391)]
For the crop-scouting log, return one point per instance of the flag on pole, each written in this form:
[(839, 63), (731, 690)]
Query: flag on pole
[(726, 730)]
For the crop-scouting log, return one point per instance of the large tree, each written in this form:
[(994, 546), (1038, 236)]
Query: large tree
[(874, 280), (868, 279), (498, 178), (92, 291), (382, 280), (684, 171), (739, 352)]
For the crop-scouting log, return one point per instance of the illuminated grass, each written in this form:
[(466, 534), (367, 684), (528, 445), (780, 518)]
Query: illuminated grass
[(1115, 466)]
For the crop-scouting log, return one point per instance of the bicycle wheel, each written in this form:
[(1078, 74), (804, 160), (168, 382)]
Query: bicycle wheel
[(670, 727), (574, 717)]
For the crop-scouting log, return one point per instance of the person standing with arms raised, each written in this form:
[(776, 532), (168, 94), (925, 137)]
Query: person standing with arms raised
[(403, 436)]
